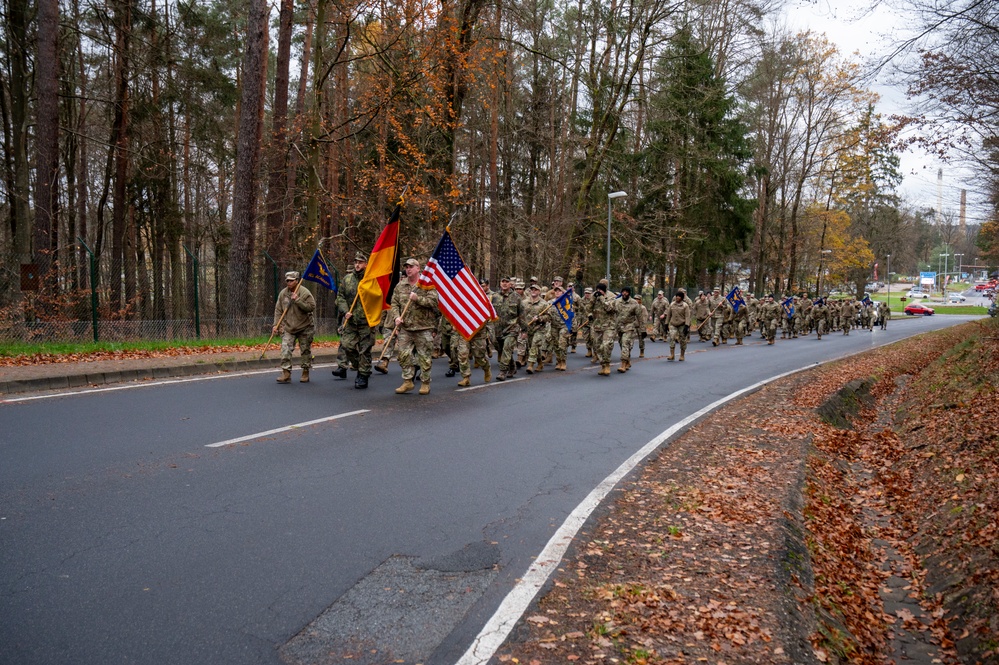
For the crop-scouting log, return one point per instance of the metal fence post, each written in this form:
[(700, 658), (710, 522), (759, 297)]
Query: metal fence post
[(93, 286), (197, 310), (274, 272)]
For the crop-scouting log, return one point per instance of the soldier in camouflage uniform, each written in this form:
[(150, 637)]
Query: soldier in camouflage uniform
[(294, 318), (722, 318), (740, 321), (583, 329), (769, 314), (602, 322), (560, 333), (677, 319), (629, 325), (643, 330), (700, 313), (659, 307), (538, 326), (820, 317), (846, 314), (357, 338), (521, 357), (388, 342), (510, 317), (469, 351), (446, 333), (415, 329)]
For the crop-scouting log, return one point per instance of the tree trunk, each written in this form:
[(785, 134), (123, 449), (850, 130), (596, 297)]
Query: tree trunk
[(119, 139), (277, 184), (248, 139), (47, 133)]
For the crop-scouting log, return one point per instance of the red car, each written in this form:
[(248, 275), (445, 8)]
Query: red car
[(918, 308)]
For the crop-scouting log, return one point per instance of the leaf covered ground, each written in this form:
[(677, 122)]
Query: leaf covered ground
[(768, 534)]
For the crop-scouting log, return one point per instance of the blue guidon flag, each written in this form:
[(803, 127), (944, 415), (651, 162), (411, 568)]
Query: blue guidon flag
[(459, 296), (788, 306), (319, 272), (735, 297), (565, 308)]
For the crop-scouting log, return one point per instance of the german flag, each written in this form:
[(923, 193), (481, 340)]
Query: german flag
[(382, 273)]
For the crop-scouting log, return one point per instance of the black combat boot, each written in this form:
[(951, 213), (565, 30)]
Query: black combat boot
[(340, 372), (361, 382)]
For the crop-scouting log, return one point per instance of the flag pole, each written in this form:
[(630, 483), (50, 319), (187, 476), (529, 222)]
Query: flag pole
[(385, 343)]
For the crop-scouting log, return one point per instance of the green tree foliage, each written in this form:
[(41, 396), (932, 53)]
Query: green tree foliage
[(695, 166)]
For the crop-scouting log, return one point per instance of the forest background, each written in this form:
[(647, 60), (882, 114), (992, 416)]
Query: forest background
[(166, 160)]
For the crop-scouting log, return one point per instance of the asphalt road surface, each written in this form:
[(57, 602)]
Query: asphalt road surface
[(234, 520)]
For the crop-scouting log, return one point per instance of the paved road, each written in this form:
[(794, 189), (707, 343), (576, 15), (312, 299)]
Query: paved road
[(391, 533)]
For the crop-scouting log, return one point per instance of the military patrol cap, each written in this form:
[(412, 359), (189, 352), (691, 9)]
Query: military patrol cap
[(535, 287), (603, 282), (360, 257), (556, 278), (411, 262), (519, 284), (588, 289), (292, 274), (660, 294), (680, 290), (717, 288)]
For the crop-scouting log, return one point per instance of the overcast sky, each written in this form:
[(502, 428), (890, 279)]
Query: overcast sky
[(852, 26)]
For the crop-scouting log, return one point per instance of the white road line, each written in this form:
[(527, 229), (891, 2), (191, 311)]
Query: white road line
[(259, 435), (496, 630), (487, 385), (142, 383)]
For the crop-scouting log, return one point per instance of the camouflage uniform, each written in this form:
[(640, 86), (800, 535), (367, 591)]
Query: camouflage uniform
[(820, 317), (643, 331), (538, 327), (298, 325), (740, 323), (357, 338), (659, 307), (722, 319), (806, 305), (677, 319), (469, 351), (416, 344), (602, 316), (446, 334), (628, 321), (846, 314), (700, 312), (510, 313), (583, 328), (769, 313)]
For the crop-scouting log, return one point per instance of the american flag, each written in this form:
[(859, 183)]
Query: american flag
[(459, 295)]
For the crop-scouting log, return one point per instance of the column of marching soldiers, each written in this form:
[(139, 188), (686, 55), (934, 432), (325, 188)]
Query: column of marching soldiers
[(530, 334)]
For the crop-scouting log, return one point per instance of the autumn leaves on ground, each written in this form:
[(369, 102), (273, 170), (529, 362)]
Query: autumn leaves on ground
[(778, 530)]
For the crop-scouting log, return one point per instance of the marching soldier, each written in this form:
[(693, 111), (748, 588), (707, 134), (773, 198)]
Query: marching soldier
[(602, 322), (643, 330), (537, 328), (629, 324), (357, 338), (659, 307), (820, 316), (677, 319), (769, 313), (722, 317), (701, 312), (415, 329), (509, 310), (294, 317), (583, 317), (740, 321)]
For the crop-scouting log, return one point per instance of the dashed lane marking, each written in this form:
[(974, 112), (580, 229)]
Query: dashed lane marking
[(259, 435)]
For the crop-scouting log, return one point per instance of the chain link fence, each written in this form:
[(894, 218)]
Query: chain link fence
[(81, 298)]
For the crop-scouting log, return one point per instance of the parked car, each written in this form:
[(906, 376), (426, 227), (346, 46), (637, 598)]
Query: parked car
[(914, 308), (917, 295)]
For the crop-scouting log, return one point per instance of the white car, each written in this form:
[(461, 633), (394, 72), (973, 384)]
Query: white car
[(915, 295), (956, 297)]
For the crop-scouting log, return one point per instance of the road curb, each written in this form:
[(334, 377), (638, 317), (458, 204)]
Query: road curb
[(93, 379)]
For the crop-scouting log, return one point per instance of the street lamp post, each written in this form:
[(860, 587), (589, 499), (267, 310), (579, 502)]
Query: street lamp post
[(960, 264), (818, 277), (889, 281), (943, 280), (610, 198)]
